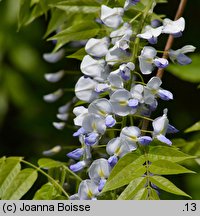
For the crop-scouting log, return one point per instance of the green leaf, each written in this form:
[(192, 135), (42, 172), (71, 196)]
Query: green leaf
[(124, 175), (46, 192), (132, 189), (124, 161), (188, 73), (167, 153), (24, 12), (9, 170), (47, 163), (57, 18), (167, 185), (78, 6), (195, 127), (165, 167), (142, 194), (20, 184), (79, 31), (153, 195), (78, 55)]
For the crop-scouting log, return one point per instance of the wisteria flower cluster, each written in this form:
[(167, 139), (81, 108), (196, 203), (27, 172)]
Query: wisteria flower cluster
[(119, 101)]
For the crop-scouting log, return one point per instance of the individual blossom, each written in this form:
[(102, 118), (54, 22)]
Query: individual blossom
[(156, 23), (99, 171), (160, 126), (59, 125), (175, 28), (129, 3), (117, 148), (119, 100), (151, 34), (54, 57), (123, 32), (137, 95), (94, 126), (114, 82), (53, 151), (103, 107), (76, 154), (80, 112), (125, 70), (52, 97), (97, 47), (88, 190), (78, 166), (111, 17), (179, 55), (54, 77), (153, 89), (94, 68), (132, 135), (148, 60), (115, 55), (85, 89)]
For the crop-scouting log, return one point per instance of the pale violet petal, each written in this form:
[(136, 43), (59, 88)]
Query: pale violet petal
[(94, 123), (165, 95), (54, 57), (99, 169), (145, 66), (113, 145), (161, 62), (59, 125), (154, 83), (171, 129), (85, 89), (53, 151), (173, 27), (54, 77), (76, 154), (101, 184), (92, 67), (110, 121), (97, 47), (112, 160), (144, 140), (160, 125), (53, 96), (111, 17), (88, 190), (163, 139), (91, 138), (78, 166), (115, 55), (100, 107)]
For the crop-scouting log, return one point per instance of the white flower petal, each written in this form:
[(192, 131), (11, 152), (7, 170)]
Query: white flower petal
[(85, 89)]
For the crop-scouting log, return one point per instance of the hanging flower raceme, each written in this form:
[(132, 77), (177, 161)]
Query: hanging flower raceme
[(118, 99)]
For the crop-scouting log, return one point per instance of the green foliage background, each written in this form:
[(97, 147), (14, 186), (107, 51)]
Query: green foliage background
[(26, 120)]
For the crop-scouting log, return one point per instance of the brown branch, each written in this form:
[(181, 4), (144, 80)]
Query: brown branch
[(170, 40)]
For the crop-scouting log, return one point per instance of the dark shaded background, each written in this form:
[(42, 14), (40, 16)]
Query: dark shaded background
[(26, 120)]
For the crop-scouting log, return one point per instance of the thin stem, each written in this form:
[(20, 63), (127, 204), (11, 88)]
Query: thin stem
[(144, 117), (147, 131), (48, 176), (136, 73), (134, 18), (72, 173)]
